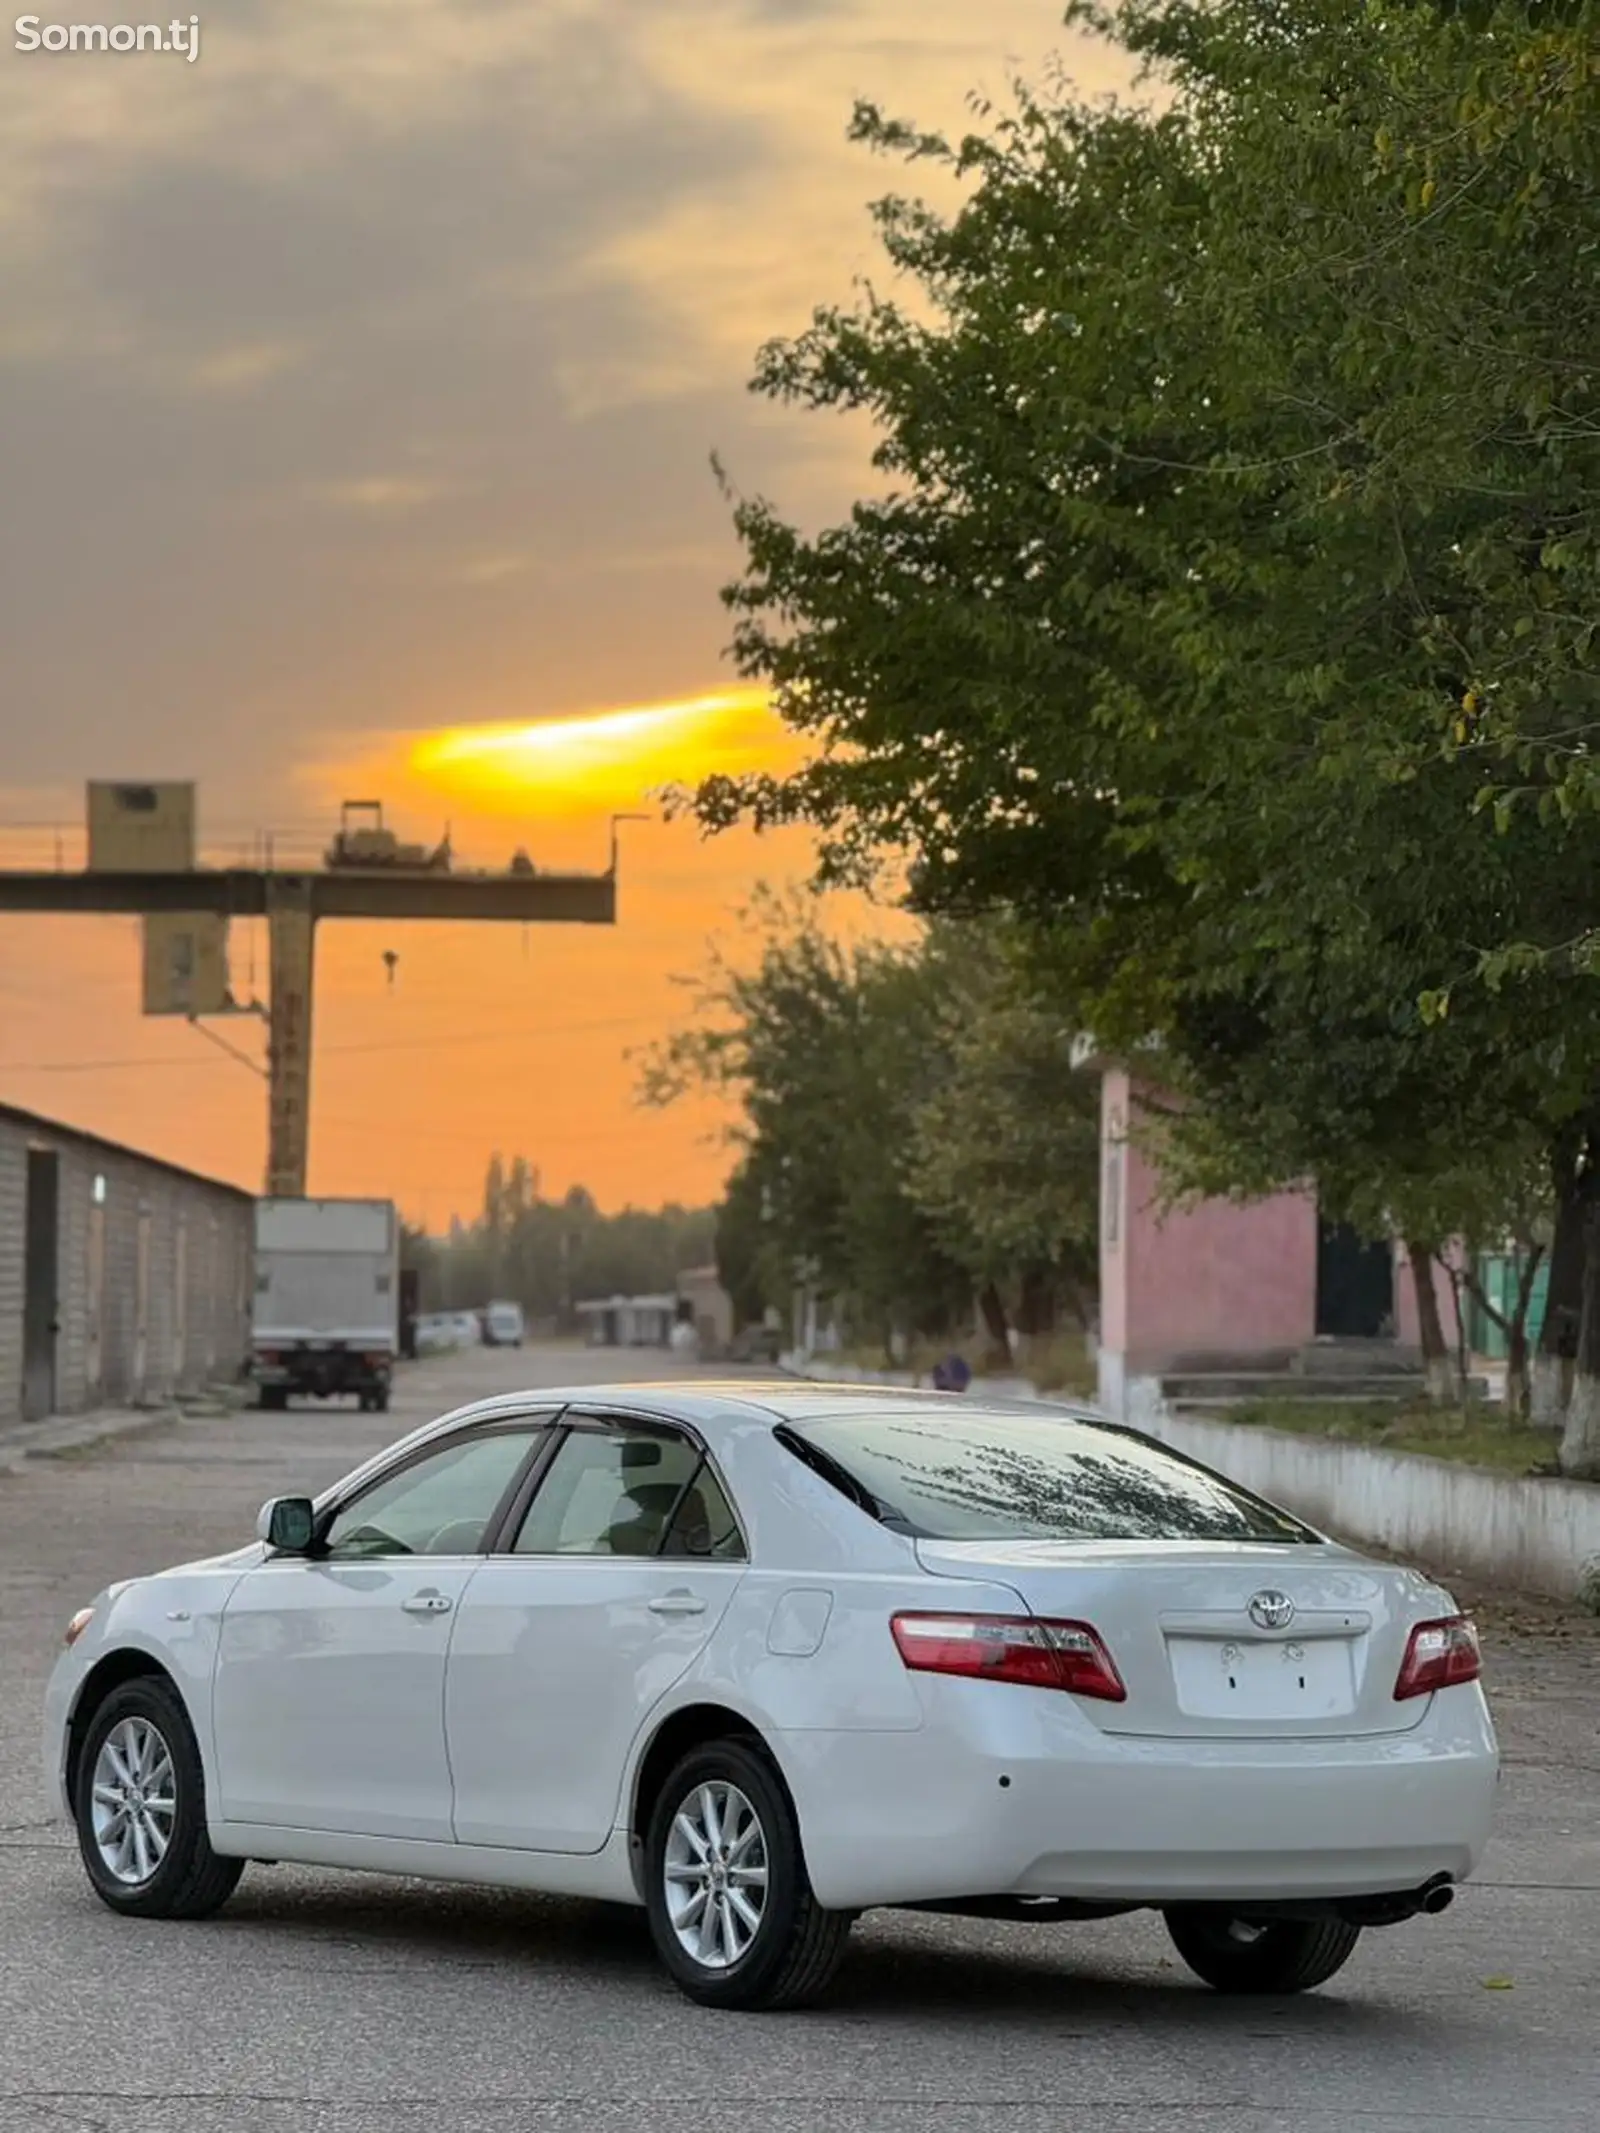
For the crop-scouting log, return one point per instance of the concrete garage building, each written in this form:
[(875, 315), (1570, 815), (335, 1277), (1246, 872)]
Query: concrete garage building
[(123, 1280)]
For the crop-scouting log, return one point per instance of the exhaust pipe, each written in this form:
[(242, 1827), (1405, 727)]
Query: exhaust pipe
[(1433, 1897)]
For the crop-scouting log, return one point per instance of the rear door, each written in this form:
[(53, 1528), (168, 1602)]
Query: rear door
[(613, 1578)]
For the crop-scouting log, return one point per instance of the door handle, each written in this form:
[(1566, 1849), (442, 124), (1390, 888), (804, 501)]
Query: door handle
[(678, 1603), (427, 1603)]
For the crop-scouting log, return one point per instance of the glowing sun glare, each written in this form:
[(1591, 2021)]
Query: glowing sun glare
[(601, 759)]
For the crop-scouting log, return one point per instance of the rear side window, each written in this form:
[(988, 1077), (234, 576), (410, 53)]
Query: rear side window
[(960, 1474), (608, 1492)]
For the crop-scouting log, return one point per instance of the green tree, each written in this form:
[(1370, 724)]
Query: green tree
[(917, 1135), (1005, 1149), (1228, 604), (747, 1265), (549, 1255), (828, 1048)]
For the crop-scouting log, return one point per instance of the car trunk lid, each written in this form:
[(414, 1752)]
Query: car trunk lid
[(1221, 1640)]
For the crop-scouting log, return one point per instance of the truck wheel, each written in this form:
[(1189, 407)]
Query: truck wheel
[(380, 1402), (274, 1399)]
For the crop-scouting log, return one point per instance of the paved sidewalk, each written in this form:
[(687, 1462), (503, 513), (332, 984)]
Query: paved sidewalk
[(59, 1435)]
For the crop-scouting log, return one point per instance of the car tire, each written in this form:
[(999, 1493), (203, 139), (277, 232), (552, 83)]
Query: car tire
[(789, 1957), (1288, 1955), (164, 1866)]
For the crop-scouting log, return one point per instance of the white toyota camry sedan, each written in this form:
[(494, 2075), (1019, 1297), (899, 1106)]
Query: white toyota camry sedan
[(760, 1658)]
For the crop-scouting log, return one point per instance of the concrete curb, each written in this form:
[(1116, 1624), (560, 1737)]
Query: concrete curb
[(61, 1434), (1530, 1535)]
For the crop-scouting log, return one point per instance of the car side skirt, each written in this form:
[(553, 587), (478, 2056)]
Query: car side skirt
[(605, 1876)]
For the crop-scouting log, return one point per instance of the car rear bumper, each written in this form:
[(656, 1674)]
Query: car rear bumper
[(1059, 1809)]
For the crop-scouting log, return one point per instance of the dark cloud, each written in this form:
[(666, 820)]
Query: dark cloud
[(369, 377), (409, 308)]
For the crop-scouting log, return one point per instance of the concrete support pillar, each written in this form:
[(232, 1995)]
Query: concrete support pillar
[(291, 933)]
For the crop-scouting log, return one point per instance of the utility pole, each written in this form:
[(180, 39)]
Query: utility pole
[(293, 904)]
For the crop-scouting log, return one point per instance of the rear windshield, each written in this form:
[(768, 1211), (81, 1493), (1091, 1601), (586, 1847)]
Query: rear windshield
[(960, 1474)]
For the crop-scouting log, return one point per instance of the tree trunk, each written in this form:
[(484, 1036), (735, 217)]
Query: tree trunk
[(995, 1323), (1036, 1305), (1443, 1383), (1518, 1389), (1558, 1336), (1463, 1348), (1580, 1441)]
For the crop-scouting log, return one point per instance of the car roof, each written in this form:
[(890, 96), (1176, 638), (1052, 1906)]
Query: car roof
[(706, 1402)]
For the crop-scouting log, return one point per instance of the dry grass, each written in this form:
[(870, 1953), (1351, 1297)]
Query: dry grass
[(1474, 1435), (1058, 1364)]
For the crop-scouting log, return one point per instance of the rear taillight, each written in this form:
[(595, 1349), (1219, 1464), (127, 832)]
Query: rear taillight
[(1440, 1655), (1017, 1648), (266, 1355)]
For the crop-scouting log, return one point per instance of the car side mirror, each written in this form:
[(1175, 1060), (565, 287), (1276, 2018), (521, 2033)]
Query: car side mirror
[(287, 1523)]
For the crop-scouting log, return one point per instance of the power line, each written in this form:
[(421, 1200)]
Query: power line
[(389, 1044), (212, 1036), (479, 1137)]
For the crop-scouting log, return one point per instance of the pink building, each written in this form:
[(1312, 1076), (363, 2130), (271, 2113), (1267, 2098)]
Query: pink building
[(1224, 1286)]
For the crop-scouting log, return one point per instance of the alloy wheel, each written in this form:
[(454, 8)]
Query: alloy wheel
[(133, 1801), (715, 1871)]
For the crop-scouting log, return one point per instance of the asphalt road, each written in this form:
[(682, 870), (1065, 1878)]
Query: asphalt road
[(326, 2003)]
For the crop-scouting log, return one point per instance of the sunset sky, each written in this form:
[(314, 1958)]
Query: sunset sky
[(357, 390)]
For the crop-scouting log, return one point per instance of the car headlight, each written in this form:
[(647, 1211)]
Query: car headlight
[(76, 1627)]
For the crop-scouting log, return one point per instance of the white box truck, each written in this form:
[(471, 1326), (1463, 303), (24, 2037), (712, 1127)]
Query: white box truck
[(327, 1304)]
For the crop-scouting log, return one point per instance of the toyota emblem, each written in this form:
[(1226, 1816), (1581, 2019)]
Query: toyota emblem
[(1271, 1610)]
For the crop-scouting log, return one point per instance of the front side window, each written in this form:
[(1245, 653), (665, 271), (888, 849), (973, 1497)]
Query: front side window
[(960, 1474), (628, 1492), (441, 1505)]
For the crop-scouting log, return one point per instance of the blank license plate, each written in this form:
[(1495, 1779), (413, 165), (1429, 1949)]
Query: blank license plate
[(1219, 1678)]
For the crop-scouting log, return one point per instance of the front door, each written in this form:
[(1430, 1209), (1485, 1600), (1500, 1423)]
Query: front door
[(1355, 1285), (41, 1283), (620, 1572), (329, 1698)]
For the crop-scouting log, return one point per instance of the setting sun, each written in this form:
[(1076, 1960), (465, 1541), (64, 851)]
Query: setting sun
[(599, 760)]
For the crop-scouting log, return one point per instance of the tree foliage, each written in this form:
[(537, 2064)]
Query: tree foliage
[(550, 1254), (914, 1130), (1229, 616)]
